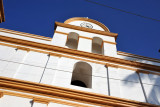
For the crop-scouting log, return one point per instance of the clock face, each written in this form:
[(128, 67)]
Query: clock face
[(87, 25)]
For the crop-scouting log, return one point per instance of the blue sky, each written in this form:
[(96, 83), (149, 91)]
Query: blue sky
[(137, 35)]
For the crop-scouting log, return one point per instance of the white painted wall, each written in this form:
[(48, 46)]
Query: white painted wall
[(8, 69), (35, 104), (13, 101), (19, 56), (6, 53), (99, 79), (110, 50), (151, 86), (58, 105), (32, 67), (85, 45), (48, 76), (64, 72), (27, 65), (11, 60), (59, 40), (29, 73), (125, 84), (36, 59), (53, 62)]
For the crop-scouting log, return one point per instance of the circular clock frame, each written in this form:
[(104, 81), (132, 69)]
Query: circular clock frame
[(86, 25)]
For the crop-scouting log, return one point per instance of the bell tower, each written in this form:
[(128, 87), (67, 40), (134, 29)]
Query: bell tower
[(84, 35)]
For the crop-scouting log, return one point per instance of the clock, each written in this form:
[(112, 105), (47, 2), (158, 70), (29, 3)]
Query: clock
[(87, 25)]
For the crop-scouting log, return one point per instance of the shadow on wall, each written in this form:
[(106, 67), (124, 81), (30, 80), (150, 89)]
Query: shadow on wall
[(150, 86)]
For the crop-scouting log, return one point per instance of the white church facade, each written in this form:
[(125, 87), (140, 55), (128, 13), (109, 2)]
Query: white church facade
[(79, 67)]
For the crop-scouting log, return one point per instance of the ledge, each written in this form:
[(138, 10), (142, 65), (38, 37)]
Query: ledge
[(41, 99), (66, 93), (138, 56), (25, 34)]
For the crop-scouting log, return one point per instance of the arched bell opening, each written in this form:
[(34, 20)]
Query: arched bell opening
[(82, 75), (72, 40), (97, 45)]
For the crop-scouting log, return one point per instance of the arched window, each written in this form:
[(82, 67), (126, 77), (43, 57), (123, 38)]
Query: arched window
[(82, 75), (97, 45), (72, 40)]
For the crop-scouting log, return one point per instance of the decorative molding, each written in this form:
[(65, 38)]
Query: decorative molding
[(54, 54), (67, 94), (84, 37), (25, 34), (23, 48), (47, 100), (40, 100), (2, 18), (112, 65), (78, 53), (18, 47), (88, 20), (9, 45), (138, 56), (1, 94), (86, 29)]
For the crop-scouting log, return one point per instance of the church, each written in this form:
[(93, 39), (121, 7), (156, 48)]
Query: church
[(79, 67)]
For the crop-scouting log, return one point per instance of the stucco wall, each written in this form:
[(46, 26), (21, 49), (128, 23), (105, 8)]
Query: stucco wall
[(13, 101)]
